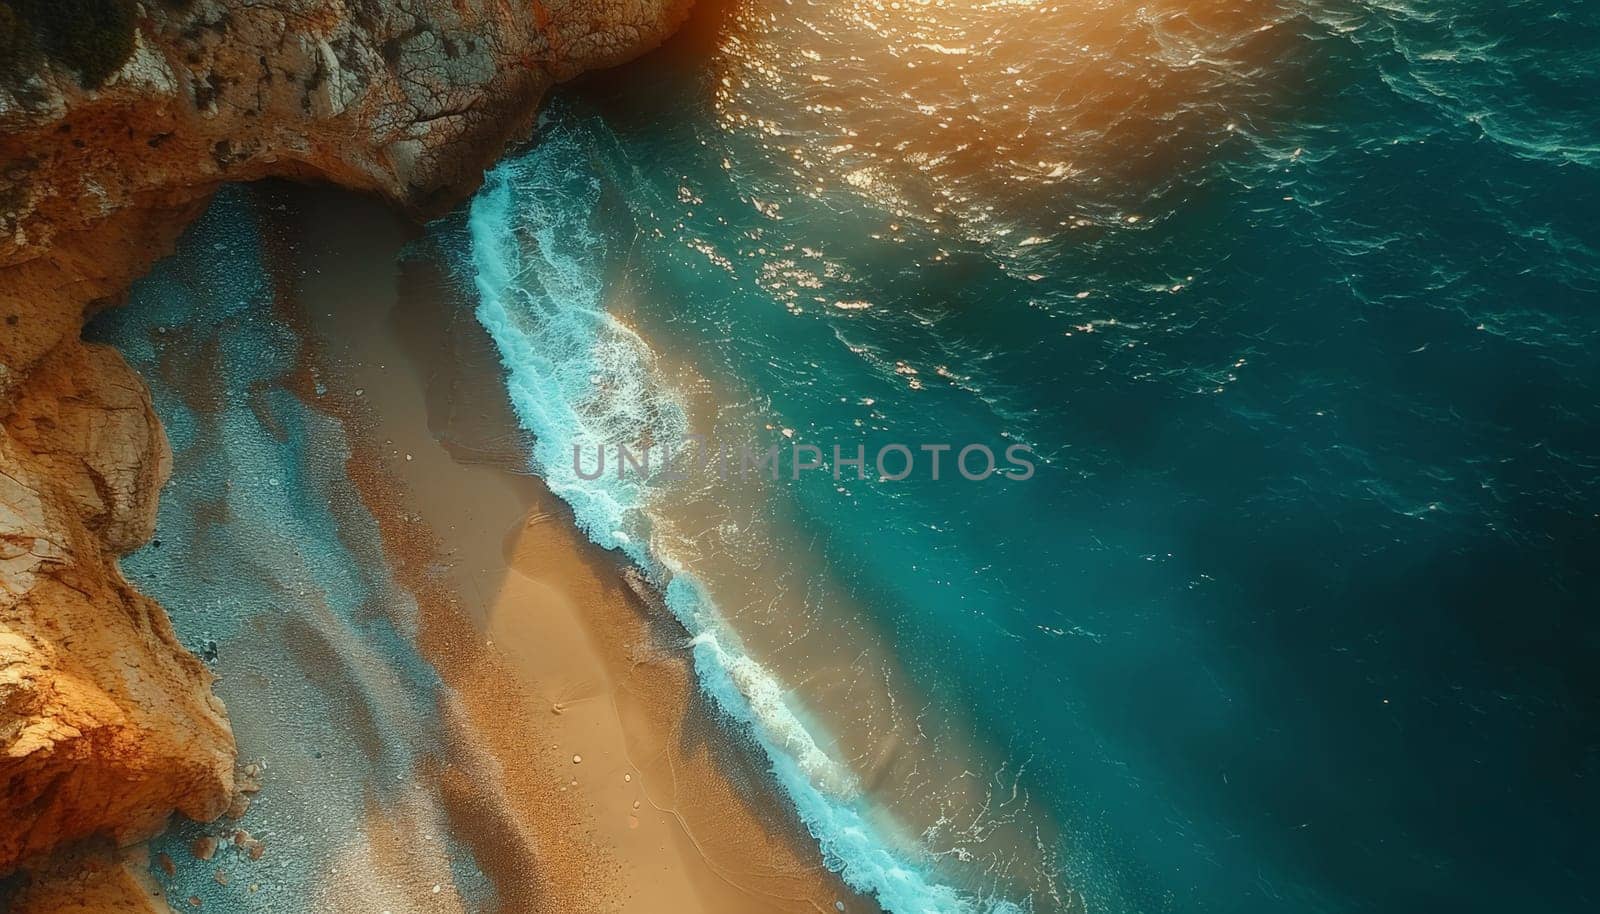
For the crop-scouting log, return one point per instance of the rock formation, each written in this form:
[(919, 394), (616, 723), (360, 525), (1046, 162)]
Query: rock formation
[(107, 148), (411, 99), (106, 723), (94, 883)]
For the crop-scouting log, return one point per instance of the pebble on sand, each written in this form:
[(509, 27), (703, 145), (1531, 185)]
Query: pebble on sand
[(249, 844), (204, 847), (577, 760)]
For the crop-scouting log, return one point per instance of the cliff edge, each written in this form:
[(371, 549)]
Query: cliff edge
[(118, 120)]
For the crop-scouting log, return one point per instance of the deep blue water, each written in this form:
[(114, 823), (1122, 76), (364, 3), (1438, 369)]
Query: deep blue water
[(1298, 305)]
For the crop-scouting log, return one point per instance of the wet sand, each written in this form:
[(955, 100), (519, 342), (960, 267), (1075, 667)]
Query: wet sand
[(581, 766)]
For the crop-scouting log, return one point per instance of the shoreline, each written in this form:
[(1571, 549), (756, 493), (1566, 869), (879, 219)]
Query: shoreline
[(684, 813), (876, 778)]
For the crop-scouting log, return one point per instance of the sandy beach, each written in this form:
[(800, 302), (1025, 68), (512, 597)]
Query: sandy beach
[(581, 765)]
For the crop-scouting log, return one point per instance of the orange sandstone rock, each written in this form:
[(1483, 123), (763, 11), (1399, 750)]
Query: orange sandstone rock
[(107, 724), (97, 884)]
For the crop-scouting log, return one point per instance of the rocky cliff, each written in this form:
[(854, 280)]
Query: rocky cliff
[(117, 121)]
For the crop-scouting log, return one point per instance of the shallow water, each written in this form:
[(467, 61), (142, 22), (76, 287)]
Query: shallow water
[(1296, 304)]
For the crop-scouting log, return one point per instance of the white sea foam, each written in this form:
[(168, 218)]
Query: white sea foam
[(576, 374)]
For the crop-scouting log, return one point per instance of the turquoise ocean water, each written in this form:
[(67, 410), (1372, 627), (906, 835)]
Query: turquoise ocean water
[(1296, 303)]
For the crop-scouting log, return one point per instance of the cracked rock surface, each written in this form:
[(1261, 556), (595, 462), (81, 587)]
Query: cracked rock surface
[(107, 724), (411, 99)]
